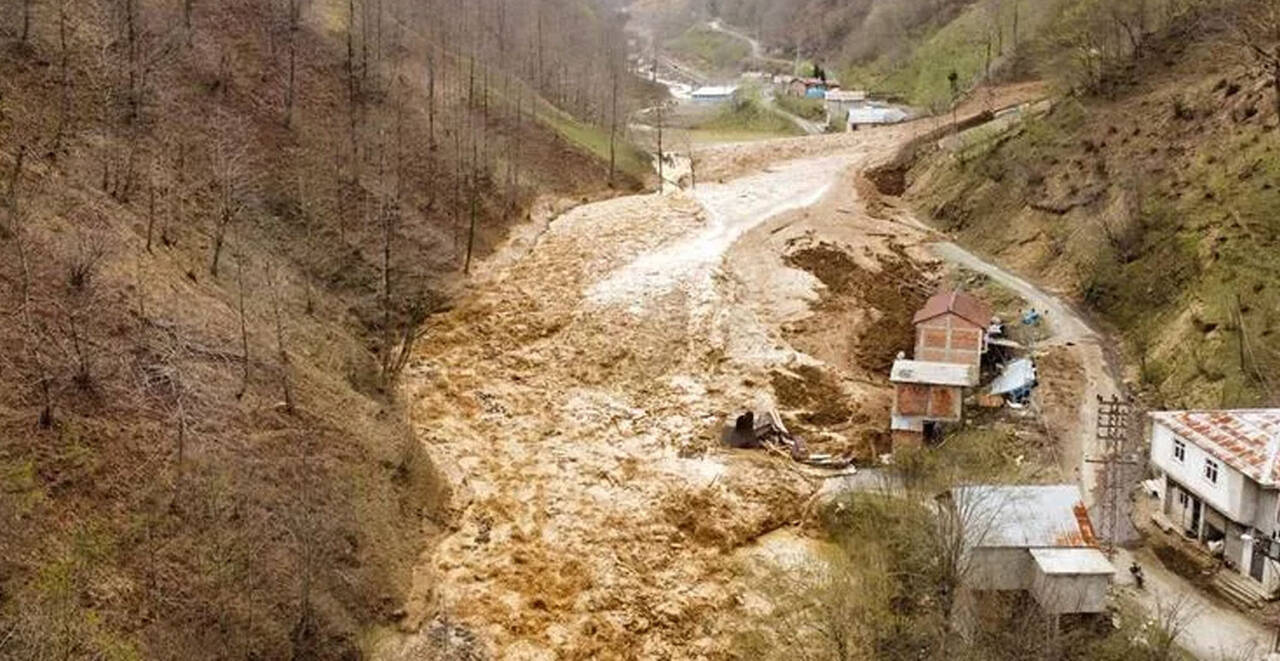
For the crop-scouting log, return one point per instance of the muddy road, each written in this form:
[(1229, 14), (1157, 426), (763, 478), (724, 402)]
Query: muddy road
[(573, 402)]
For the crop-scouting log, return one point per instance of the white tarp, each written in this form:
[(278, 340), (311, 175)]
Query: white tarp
[(1018, 375)]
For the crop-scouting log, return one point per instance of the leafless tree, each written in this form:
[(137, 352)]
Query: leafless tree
[(1168, 624), (282, 351), (1254, 28), (295, 24), (232, 178), (244, 326)]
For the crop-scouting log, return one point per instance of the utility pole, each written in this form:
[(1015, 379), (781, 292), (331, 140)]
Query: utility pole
[(1114, 433)]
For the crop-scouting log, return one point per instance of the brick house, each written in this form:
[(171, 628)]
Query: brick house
[(926, 394), (952, 328)]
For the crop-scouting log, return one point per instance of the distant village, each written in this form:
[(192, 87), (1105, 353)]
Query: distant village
[(850, 109)]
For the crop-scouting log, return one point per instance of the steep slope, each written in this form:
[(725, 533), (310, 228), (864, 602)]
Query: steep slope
[(1157, 208), (206, 299)]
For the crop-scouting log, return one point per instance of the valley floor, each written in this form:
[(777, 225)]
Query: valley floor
[(578, 391)]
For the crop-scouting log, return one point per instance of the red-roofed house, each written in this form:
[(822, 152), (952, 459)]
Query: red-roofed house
[(952, 328), (1220, 472)]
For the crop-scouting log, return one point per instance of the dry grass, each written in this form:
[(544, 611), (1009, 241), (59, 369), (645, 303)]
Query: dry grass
[(174, 506)]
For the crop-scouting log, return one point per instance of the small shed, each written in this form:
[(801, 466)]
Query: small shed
[(874, 115), (1037, 539), (714, 93), (952, 328), (926, 394), (840, 102)]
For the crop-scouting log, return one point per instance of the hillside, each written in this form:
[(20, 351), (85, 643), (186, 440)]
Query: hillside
[(1154, 202), (224, 225), (908, 50)]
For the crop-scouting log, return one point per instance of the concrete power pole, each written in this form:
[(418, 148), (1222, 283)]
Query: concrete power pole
[(1115, 434)]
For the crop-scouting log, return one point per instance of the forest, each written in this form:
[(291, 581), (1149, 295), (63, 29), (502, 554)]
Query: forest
[(225, 226)]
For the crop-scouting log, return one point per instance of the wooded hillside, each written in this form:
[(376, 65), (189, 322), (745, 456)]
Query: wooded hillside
[(1150, 194), (224, 226)]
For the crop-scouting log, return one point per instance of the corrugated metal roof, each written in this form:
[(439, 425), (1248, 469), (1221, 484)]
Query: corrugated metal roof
[(934, 374), (1074, 561), (714, 91), (846, 95), (1025, 516), (959, 303), (876, 115), (1248, 440)]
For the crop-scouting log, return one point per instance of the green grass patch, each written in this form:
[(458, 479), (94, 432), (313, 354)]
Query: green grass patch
[(709, 49), (631, 160), (746, 112), (813, 110)]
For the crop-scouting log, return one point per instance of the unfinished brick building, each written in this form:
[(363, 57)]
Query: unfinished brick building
[(951, 328)]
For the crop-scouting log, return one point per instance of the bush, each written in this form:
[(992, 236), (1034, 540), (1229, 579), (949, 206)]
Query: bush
[(810, 109)]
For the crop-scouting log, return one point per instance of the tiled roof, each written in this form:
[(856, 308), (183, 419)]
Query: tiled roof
[(1248, 440), (964, 305)]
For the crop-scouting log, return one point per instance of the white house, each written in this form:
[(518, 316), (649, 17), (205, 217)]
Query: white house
[(1037, 539), (1220, 481)]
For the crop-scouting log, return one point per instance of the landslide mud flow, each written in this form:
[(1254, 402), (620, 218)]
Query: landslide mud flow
[(574, 400)]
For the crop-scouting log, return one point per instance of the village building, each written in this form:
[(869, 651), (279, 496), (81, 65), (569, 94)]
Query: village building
[(952, 328), (926, 395), (714, 93), (811, 88), (1219, 485), (1033, 539), (840, 102), (873, 115)]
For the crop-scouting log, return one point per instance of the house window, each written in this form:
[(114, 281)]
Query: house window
[(1179, 450), (1211, 470), (1183, 499)]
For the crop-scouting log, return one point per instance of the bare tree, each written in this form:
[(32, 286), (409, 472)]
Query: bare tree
[(282, 351), (295, 21), (188, 9), (25, 33), (231, 173), (244, 326), (1255, 30)]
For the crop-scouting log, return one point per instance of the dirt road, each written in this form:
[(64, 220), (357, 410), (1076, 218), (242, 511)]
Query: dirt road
[(1209, 629), (1068, 329), (757, 49)]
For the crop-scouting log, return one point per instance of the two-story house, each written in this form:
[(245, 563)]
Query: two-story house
[(951, 336), (1220, 476), (951, 328)]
